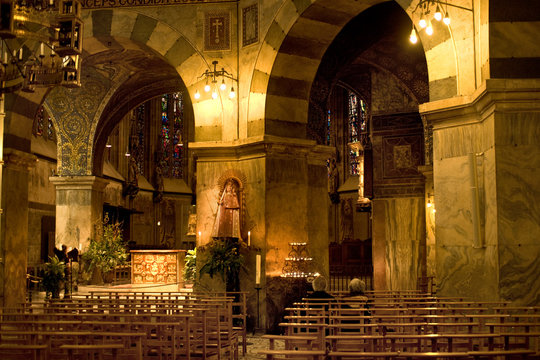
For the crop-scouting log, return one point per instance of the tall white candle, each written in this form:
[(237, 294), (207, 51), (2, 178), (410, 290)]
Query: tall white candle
[(41, 49), (20, 54), (257, 269), (249, 238)]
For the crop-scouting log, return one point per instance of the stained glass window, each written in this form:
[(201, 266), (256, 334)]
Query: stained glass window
[(357, 122), (172, 131), (328, 127), (140, 127), (43, 125)]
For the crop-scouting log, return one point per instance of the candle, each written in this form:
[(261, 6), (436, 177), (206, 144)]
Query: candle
[(20, 54), (199, 236), (41, 49), (249, 238), (257, 269)]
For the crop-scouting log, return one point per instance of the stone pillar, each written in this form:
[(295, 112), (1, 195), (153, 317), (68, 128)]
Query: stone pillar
[(79, 209), (286, 198), (495, 130), (15, 224)]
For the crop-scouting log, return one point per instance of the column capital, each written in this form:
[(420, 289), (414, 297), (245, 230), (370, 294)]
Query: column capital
[(18, 160), (494, 95), (261, 146), (78, 182)]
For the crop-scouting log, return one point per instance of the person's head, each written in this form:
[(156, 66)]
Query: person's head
[(319, 284), (357, 287), (64, 248)]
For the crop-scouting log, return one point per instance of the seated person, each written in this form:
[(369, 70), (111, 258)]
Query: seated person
[(357, 290), (319, 289)]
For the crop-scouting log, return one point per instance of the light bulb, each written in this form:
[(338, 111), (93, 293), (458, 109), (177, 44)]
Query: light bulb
[(438, 14), (232, 94), (412, 38), (108, 145), (197, 95), (207, 87), (422, 23), (429, 29), (222, 86), (446, 19), (429, 204), (214, 94)]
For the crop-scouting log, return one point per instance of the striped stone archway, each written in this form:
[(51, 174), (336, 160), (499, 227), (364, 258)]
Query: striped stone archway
[(293, 48), (117, 30)]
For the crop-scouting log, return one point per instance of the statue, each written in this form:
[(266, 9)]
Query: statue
[(131, 187), (227, 222), (158, 193), (333, 182)]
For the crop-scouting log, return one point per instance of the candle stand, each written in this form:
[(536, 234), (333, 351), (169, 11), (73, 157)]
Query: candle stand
[(258, 288)]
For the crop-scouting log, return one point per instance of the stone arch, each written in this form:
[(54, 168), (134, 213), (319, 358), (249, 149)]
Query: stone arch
[(116, 34), (292, 50)]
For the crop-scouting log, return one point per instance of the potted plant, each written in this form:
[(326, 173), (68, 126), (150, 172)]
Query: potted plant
[(106, 252), (190, 266), (225, 259), (53, 277)]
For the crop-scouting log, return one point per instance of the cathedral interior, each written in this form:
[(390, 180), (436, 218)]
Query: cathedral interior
[(313, 128)]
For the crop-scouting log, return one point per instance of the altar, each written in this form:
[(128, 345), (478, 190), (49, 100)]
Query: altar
[(157, 266)]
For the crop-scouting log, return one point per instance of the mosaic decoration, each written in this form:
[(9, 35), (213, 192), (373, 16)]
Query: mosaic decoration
[(250, 25), (74, 110), (155, 268), (104, 4), (402, 155), (217, 31)]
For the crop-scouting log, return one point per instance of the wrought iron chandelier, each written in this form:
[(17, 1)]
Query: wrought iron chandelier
[(212, 77), (41, 44)]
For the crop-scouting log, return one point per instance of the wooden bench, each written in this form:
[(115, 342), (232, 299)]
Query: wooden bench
[(91, 350), (307, 347), (35, 351)]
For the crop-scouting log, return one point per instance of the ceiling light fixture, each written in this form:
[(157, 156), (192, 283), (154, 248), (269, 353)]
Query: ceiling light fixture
[(30, 30), (212, 77), (424, 8)]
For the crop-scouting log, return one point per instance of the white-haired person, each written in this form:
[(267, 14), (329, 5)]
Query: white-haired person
[(357, 295), (319, 285)]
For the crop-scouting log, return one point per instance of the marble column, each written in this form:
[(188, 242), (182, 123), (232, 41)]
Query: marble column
[(79, 209), (488, 249), (15, 224)]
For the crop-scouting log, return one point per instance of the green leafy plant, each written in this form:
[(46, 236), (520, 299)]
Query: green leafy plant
[(190, 266), (225, 259), (108, 250), (53, 276)]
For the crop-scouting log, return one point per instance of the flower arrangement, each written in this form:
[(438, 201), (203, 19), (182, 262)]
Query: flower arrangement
[(108, 250)]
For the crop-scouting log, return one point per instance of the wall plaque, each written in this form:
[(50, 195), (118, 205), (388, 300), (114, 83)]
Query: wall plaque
[(217, 31), (250, 25)]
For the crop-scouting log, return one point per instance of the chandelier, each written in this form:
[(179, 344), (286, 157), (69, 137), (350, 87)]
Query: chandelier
[(41, 44), (212, 78), (431, 10), (299, 264)]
